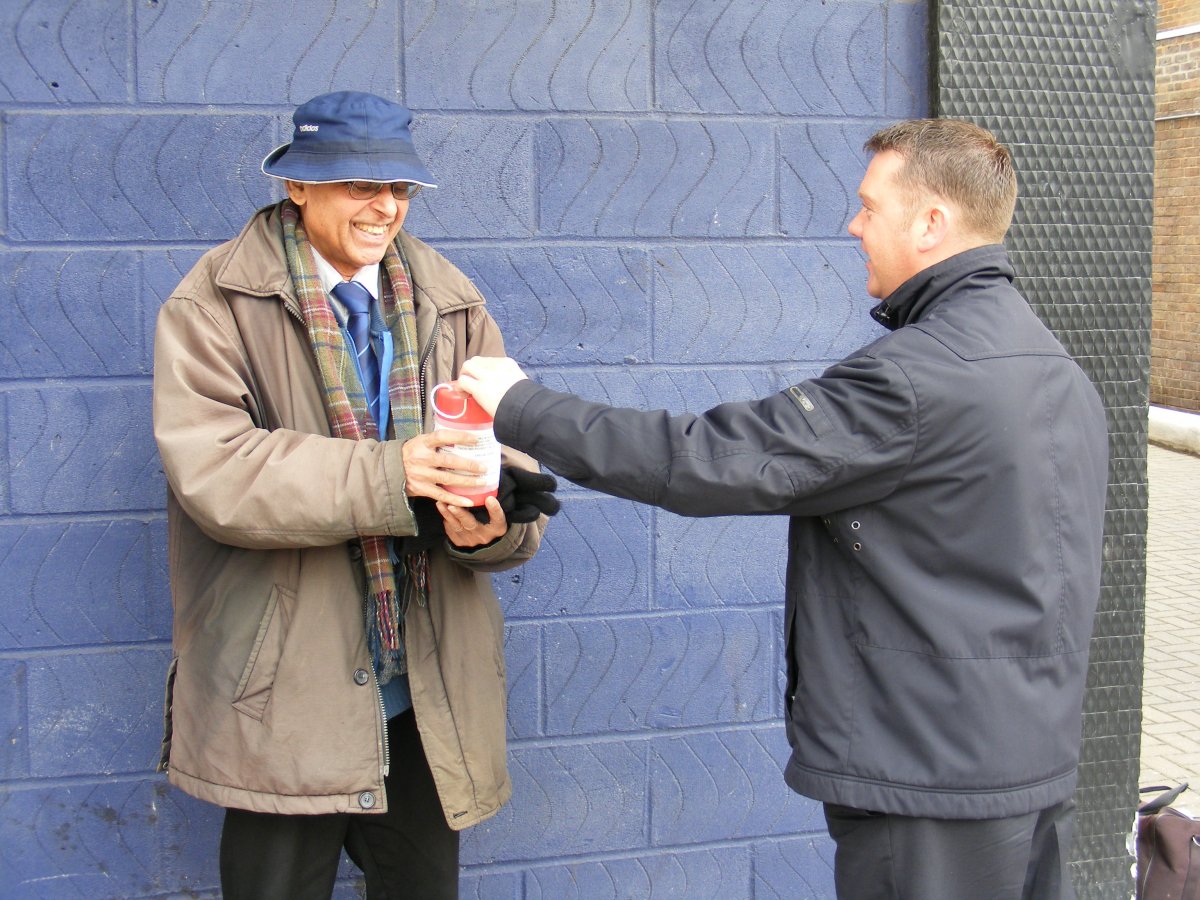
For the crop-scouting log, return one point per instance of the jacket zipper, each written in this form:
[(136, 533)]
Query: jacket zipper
[(387, 750), (425, 354)]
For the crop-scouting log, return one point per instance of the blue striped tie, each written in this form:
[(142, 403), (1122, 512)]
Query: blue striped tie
[(357, 300)]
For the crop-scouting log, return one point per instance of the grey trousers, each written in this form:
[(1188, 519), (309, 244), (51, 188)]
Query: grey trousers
[(888, 857)]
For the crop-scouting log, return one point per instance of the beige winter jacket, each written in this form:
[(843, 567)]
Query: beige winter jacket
[(271, 702)]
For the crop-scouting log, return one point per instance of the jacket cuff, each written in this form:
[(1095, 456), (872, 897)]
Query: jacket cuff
[(497, 551), (509, 413), (401, 521)]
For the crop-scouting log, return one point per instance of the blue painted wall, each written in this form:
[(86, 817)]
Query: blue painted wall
[(653, 196)]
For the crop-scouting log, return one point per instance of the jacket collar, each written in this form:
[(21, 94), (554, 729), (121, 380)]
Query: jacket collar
[(912, 301), (257, 265)]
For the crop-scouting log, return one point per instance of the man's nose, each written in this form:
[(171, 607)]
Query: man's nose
[(385, 203)]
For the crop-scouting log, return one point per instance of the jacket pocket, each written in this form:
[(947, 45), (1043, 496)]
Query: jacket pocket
[(258, 678), (164, 757), (809, 411)]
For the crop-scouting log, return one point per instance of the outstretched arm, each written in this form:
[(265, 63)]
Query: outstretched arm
[(830, 442)]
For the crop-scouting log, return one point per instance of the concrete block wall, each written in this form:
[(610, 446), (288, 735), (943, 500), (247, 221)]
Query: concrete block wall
[(652, 195)]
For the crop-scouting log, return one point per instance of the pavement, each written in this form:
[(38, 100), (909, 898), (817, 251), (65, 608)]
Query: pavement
[(1175, 429), (1171, 679)]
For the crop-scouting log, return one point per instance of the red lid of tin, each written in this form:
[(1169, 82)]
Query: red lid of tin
[(459, 407)]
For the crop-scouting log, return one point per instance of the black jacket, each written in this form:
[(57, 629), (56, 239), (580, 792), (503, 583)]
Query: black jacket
[(946, 486)]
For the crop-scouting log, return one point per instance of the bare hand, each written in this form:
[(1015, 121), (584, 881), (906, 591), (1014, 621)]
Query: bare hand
[(428, 467), (488, 379), (464, 530)]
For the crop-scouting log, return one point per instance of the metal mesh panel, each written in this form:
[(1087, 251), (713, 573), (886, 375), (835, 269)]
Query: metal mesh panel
[(1069, 86)]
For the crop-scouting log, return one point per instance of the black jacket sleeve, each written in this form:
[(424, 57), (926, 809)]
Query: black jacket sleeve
[(827, 443)]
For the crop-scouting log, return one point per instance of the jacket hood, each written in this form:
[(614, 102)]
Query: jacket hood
[(912, 300)]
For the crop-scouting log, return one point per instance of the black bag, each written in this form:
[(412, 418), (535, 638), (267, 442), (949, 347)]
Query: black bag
[(1168, 849)]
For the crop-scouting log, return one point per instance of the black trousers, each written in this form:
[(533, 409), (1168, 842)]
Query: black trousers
[(903, 858), (408, 853)]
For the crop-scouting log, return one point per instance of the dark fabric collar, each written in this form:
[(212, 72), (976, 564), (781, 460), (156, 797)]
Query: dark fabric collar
[(912, 300)]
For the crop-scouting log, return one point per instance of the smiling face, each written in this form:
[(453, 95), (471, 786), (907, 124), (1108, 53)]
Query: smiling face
[(886, 227), (348, 233)]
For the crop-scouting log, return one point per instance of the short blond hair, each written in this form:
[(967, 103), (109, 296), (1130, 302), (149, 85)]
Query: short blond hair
[(958, 161)]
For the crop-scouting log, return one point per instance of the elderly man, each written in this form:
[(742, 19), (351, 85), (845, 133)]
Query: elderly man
[(338, 670), (946, 489)]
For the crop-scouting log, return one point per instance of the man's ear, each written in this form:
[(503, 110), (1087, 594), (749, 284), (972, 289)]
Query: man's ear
[(935, 225), (296, 192)]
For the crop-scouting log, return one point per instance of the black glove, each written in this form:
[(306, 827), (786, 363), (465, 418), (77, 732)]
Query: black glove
[(431, 529), (523, 495)]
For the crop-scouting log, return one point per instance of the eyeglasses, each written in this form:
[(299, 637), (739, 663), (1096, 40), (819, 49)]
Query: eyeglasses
[(368, 190)]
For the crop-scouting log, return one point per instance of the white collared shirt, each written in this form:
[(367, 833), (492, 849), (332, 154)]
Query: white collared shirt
[(367, 276)]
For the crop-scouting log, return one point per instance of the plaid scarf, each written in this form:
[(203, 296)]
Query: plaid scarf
[(388, 591)]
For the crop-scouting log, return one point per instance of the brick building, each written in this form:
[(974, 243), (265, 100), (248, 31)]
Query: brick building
[(1175, 334)]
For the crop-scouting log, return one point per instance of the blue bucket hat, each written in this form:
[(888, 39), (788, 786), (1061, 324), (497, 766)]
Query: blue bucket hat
[(349, 136)]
